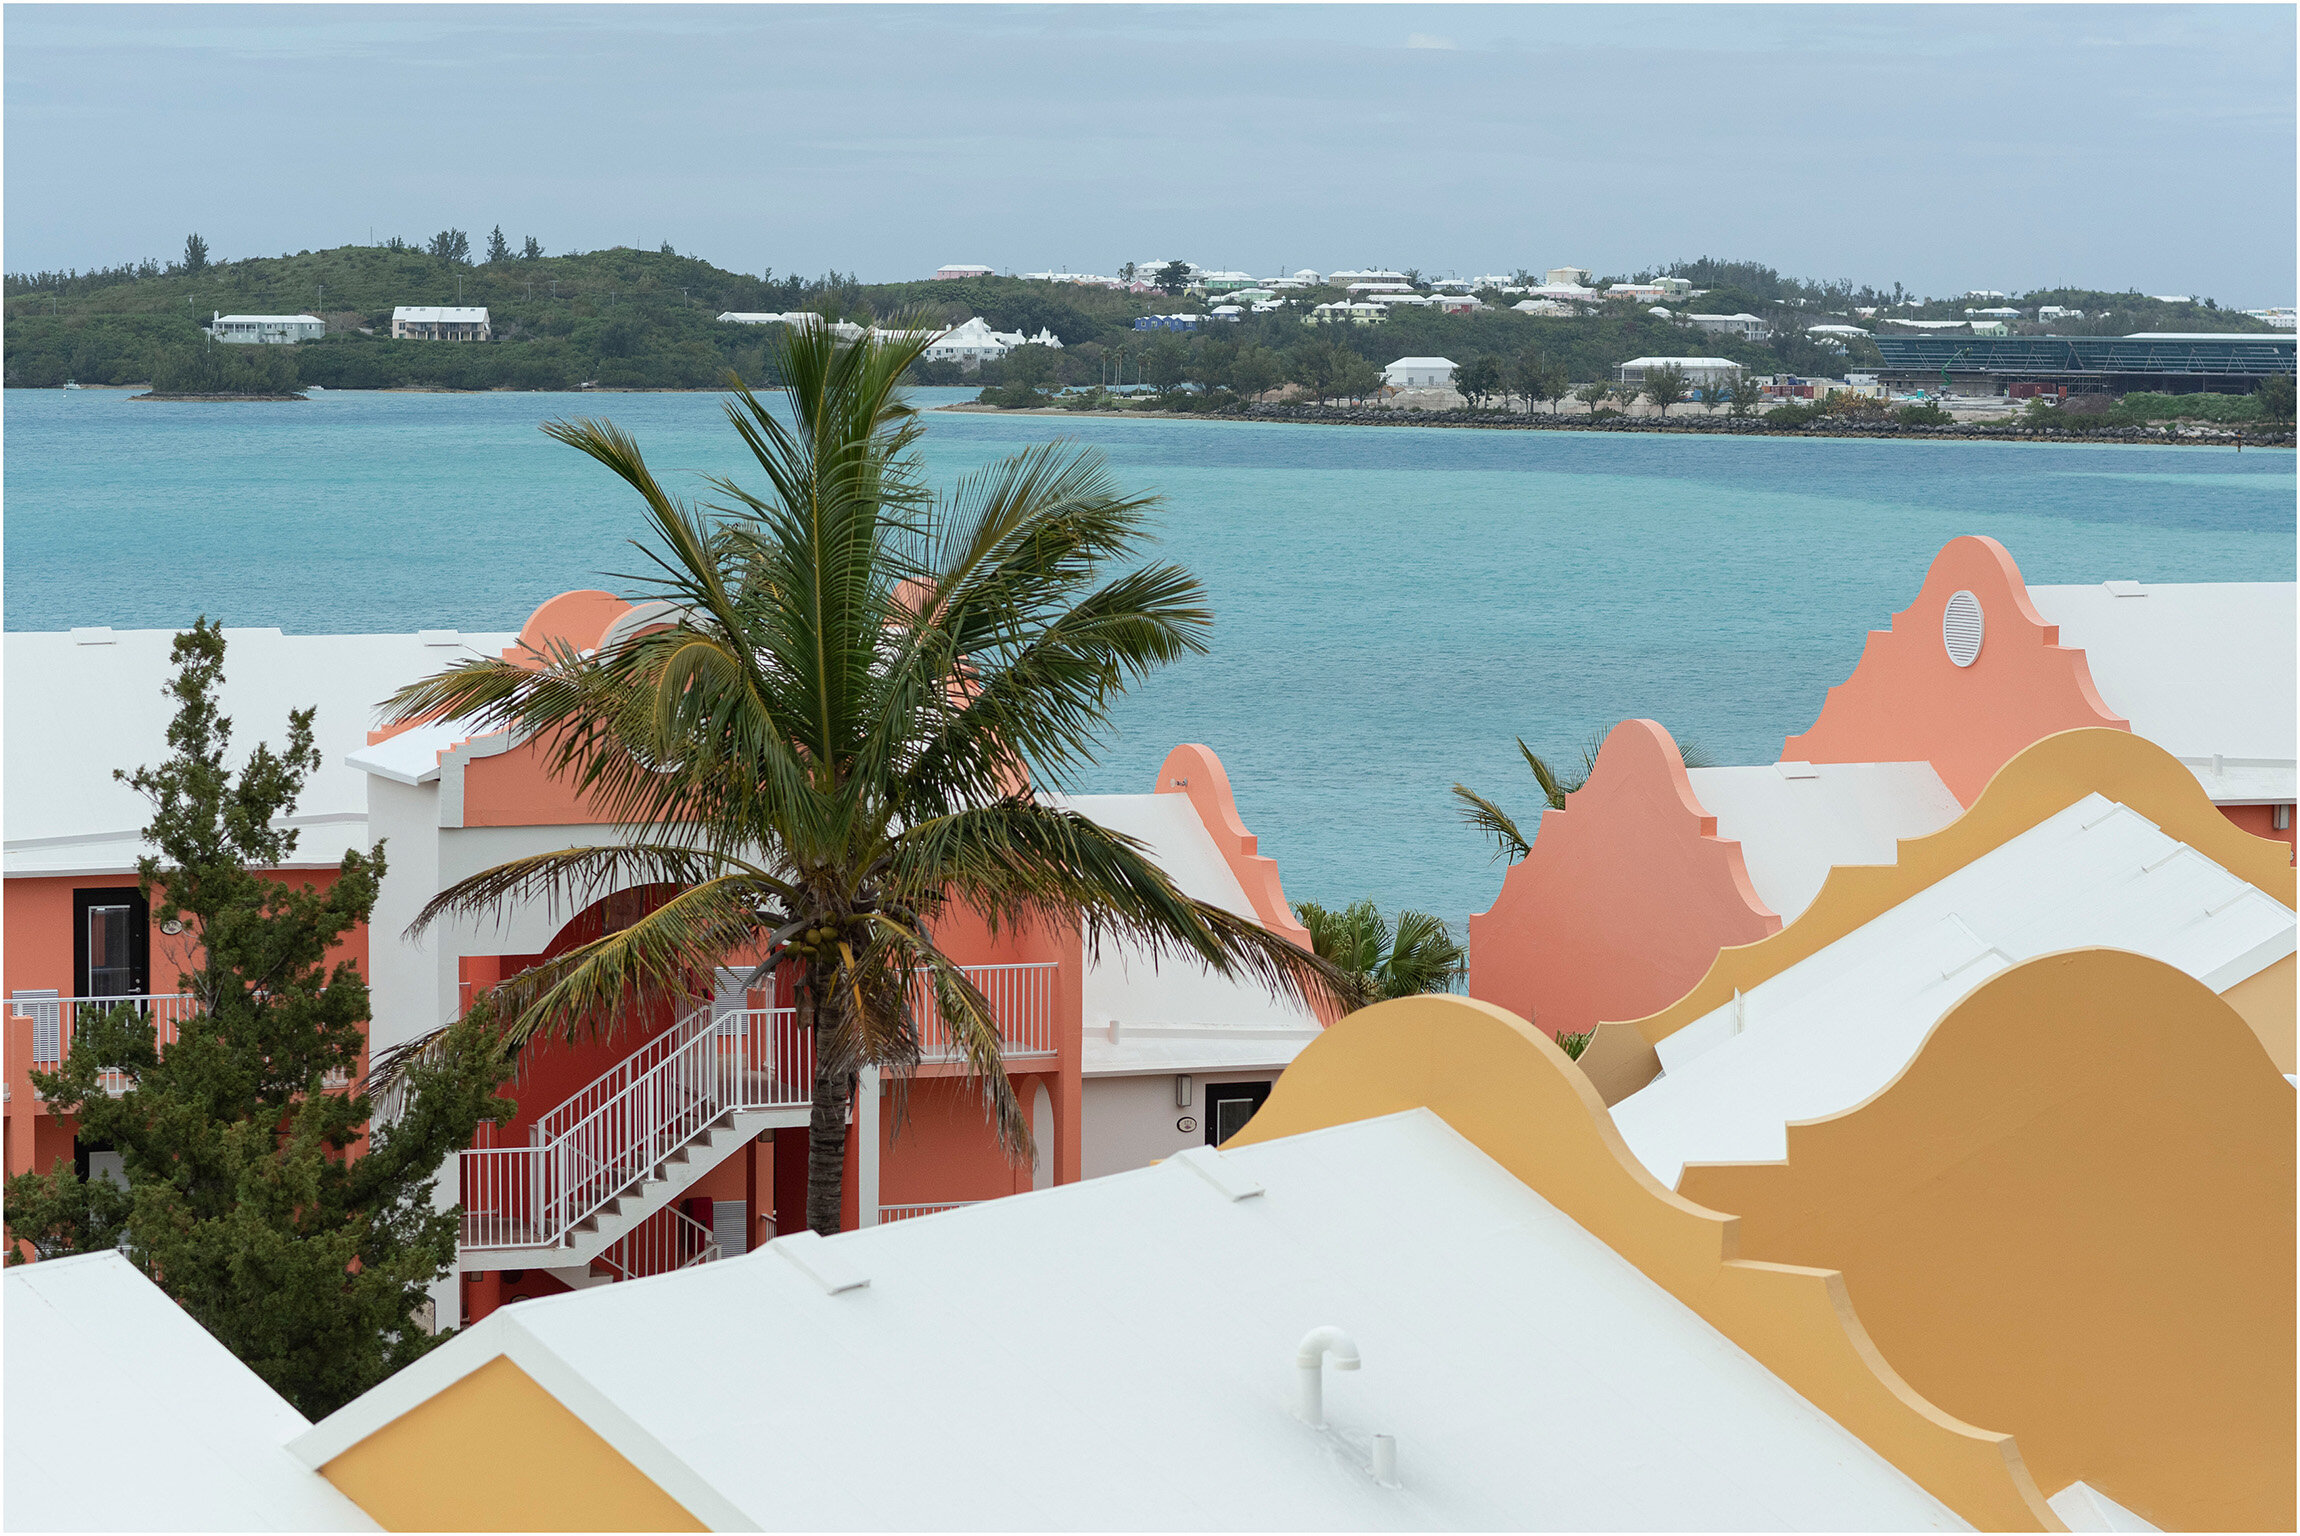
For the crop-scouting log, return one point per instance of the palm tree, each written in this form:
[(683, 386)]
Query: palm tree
[(1420, 956), (1498, 824), (833, 738)]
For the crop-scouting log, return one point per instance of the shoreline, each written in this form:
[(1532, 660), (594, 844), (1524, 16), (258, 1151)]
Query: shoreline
[(2204, 435)]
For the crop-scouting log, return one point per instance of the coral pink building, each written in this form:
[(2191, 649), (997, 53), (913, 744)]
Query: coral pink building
[(683, 1137), (1651, 868)]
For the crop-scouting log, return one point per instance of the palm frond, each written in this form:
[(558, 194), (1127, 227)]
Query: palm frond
[(1479, 812)]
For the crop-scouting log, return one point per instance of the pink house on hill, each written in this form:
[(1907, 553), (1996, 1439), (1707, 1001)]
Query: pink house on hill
[(1651, 868)]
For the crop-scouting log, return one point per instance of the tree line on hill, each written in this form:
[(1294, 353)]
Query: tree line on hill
[(628, 318)]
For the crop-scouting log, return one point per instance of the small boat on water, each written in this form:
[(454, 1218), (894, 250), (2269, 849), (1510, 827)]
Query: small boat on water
[(74, 384)]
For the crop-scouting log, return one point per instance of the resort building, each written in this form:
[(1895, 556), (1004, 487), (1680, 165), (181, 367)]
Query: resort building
[(2227, 362), (958, 270), (439, 322), (1567, 277), (1419, 373), (1700, 372), (1118, 1060), (972, 343), (1630, 892), (253, 330)]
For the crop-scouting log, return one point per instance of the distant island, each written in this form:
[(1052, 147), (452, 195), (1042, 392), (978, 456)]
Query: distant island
[(626, 318)]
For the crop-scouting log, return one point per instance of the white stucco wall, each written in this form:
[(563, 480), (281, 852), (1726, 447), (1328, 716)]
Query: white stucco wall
[(1130, 1122)]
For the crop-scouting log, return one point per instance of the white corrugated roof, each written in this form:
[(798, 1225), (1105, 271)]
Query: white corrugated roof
[(1797, 821), (126, 1415), (80, 704), (1118, 1354), (1828, 1032), (1177, 1016), (2201, 669)]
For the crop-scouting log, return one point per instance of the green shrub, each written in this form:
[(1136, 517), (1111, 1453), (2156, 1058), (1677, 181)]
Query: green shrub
[(1795, 413), (230, 369), (1925, 415)]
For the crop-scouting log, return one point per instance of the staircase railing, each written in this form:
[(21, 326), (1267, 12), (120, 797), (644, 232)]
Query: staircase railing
[(668, 1240), (617, 1130), (631, 1122)]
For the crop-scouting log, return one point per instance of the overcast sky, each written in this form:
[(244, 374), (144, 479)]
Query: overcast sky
[(1944, 147)]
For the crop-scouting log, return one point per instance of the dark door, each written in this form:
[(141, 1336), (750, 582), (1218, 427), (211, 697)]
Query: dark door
[(1229, 1106), (111, 943)]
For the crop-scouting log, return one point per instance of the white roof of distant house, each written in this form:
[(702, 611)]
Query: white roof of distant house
[(1424, 362), (1175, 1015), (1147, 1323), (66, 815), (1837, 330), (126, 1415), (1825, 1034), (1797, 821), (442, 314), (1682, 362), (2202, 669), (267, 320)]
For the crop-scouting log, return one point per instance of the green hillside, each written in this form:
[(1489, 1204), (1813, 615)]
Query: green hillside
[(625, 318)]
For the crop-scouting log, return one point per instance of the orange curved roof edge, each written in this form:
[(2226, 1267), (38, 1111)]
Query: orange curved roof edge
[(1908, 701), (1192, 769), (2040, 781), (1632, 869), (1507, 1088), (578, 619), (2087, 1168)]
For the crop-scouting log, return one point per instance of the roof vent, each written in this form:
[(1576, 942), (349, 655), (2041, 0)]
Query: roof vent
[(439, 637), (99, 635), (1961, 628), (2125, 589)]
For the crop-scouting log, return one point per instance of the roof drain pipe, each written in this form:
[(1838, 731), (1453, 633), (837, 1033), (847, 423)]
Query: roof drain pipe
[(1310, 1376)]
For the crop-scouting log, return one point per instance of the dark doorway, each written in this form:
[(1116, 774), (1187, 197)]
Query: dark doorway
[(111, 943), (1229, 1106)]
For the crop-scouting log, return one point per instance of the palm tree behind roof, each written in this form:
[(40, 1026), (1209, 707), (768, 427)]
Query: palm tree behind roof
[(833, 738)]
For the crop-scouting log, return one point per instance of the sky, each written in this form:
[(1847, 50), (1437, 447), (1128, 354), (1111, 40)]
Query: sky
[(1945, 147)]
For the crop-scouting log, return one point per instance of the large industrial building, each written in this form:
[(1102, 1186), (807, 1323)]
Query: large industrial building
[(2174, 363)]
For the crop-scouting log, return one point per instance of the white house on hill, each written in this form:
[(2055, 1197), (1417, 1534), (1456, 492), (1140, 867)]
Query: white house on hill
[(1419, 373), (249, 330)]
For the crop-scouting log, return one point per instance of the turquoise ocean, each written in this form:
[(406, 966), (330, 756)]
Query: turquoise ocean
[(1392, 606)]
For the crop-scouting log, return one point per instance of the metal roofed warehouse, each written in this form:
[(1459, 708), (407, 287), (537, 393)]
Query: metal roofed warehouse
[(2171, 362)]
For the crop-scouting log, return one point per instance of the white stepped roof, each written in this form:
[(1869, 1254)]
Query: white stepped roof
[(126, 1415), (1797, 821), (1828, 1032), (441, 314), (66, 814), (1118, 1354), (2201, 669), (1177, 1016)]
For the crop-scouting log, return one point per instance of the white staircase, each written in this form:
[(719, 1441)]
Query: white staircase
[(589, 1197), (577, 1200)]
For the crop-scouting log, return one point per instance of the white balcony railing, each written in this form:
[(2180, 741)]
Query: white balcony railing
[(887, 1213), (1021, 999)]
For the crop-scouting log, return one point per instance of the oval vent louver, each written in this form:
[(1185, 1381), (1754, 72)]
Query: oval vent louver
[(1961, 628)]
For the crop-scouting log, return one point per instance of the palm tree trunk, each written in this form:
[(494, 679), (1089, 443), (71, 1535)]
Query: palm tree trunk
[(827, 1124)]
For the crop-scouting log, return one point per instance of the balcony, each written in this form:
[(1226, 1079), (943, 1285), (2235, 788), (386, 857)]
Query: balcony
[(54, 1018)]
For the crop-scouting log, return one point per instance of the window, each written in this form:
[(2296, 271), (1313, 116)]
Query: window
[(111, 940), (1229, 1106)]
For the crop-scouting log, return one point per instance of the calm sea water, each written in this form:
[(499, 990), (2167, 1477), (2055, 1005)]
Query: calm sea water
[(1393, 607)]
